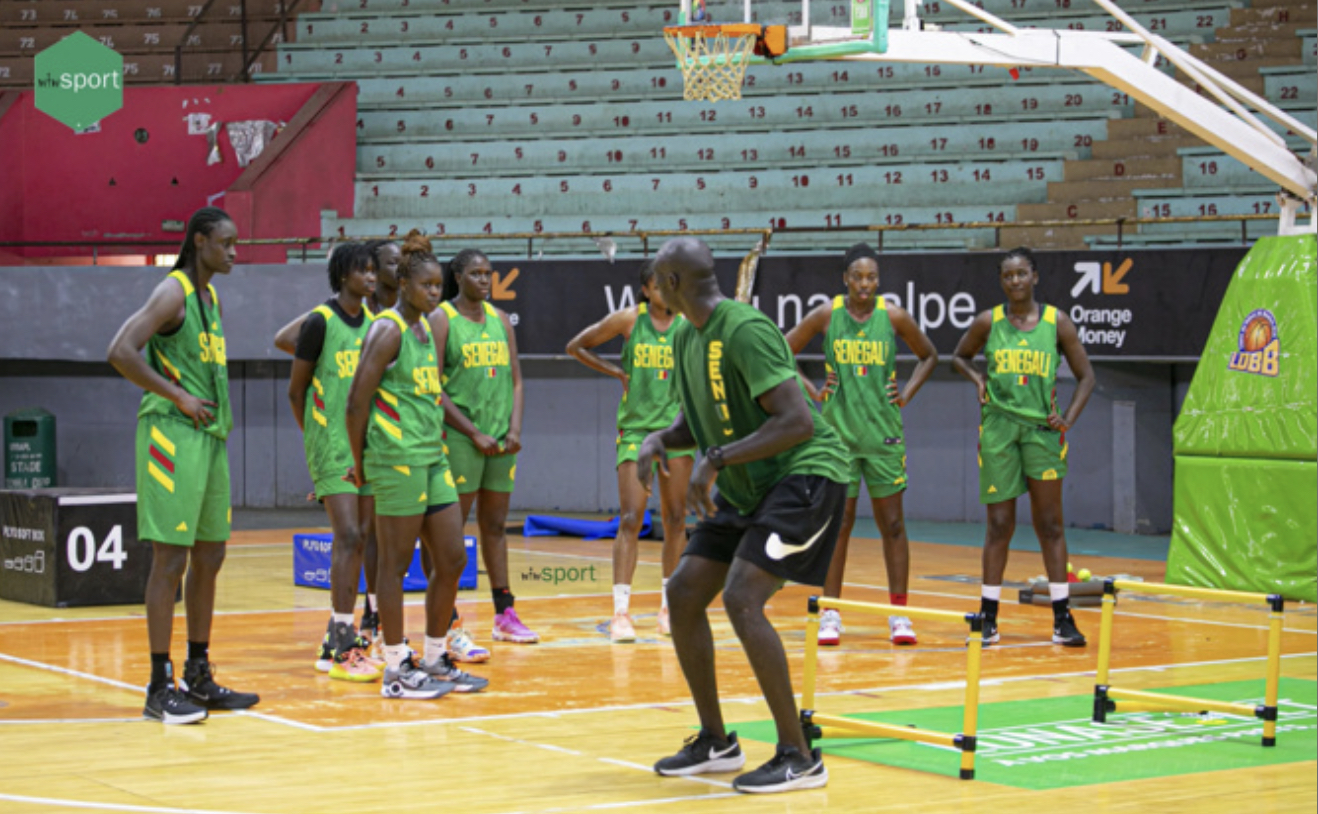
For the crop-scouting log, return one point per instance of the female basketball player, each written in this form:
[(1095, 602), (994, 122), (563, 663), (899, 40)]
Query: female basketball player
[(863, 403), (648, 405), (385, 254), (328, 348), (483, 410), (182, 462), (1022, 438), (397, 445)]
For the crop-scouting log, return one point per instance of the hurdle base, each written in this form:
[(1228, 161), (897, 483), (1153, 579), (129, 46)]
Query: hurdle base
[(967, 774), (1269, 741)]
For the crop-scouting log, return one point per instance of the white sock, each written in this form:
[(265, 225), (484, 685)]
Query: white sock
[(375, 604), (1059, 590), (993, 592), (394, 655), (622, 598), (341, 617), (663, 594), (434, 649)]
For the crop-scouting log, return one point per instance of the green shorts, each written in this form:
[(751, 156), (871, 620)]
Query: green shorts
[(406, 491), (182, 483), (884, 475), (629, 447), (329, 480), (1011, 450), (472, 471)]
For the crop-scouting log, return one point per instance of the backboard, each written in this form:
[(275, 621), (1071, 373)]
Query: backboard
[(816, 30)]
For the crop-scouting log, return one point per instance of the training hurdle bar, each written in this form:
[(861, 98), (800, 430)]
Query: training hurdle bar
[(1106, 697), (817, 725)]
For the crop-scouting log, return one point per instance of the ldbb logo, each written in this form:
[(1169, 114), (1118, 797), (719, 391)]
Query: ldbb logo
[(79, 81)]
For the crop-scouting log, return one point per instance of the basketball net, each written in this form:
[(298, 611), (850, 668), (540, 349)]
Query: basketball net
[(713, 61)]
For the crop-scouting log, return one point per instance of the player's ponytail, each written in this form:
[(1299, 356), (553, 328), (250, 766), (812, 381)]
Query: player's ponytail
[(416, 251)]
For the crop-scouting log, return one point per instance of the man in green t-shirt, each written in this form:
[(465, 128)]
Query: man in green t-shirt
[(782, 477)]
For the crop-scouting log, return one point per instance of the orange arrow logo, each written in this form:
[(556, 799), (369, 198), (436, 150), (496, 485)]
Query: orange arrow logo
[(501, 287), (1112, 279)]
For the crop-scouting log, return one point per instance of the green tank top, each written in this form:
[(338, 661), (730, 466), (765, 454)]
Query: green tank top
[(194, 358), (478, 374), (861, 355), (325, 435), (650, 402), (406, 424), (1022, 366)]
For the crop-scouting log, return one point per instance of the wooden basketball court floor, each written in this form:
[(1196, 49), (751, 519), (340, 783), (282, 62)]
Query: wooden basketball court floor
[(575, 723)]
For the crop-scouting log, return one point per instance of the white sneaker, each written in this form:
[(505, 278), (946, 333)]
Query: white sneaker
[(902, 632), (621, 629), (830, 628)]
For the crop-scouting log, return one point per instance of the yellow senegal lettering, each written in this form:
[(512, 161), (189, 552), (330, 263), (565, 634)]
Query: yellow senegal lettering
[(856, 352), (653, 356), (212, 348), (485, 354), (427, 380), (1028, 362), (347, 362)]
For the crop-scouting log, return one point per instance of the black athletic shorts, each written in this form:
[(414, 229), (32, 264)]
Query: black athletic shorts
[(791, 534)]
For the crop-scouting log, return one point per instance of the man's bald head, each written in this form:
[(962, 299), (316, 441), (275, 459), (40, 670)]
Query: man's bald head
[(686, 255), (684, 271)]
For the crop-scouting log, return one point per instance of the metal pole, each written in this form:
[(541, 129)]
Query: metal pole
[(247, 75)]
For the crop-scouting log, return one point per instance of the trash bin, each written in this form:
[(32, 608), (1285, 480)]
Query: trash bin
[(30, 449)]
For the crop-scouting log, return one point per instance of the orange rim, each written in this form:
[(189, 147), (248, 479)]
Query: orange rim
[(727, 30)]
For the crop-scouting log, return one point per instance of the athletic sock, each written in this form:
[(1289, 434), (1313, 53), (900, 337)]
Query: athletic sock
[(198, 651), (897, 599), (336, 618), (394, 654), (1060, 593), (162, 671), (503, 599), (622, 597), (663, 594), (369, 603), (434, 649), (989, 597)]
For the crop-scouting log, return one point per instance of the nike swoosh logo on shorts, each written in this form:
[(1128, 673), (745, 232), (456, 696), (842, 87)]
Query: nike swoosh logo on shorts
[(777, 549)]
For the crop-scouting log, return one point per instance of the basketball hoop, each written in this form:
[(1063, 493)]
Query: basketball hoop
[(714, 58)]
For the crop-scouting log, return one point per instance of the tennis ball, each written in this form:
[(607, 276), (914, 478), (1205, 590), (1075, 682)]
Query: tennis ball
[(1084, 575), (1069, 569)]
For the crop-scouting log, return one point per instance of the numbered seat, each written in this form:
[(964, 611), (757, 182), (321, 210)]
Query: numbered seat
[(354, 62), (505, 26), (681, 193), (1200, 21), (1290, 87), (1204, 168)]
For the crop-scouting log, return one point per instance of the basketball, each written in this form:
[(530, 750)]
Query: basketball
[(1258, 333)]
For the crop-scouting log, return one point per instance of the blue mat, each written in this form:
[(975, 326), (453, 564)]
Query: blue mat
[(546, 525)]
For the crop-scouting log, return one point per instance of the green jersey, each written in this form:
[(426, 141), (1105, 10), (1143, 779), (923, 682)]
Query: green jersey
[(861, 354), (478, 374), (192, 357), (722, 368), (649, 403), (324, 432), (1022, 366), (406, 424)]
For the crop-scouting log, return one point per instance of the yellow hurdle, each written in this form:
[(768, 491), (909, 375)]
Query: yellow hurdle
[(834, 726), (1108, 698)]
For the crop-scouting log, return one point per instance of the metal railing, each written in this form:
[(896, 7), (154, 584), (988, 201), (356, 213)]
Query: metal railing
[(305, 245)]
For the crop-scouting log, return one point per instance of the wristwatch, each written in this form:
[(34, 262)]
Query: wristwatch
[(715, 457)]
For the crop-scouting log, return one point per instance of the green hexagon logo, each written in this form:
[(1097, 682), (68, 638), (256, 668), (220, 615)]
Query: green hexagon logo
[(79, 81)]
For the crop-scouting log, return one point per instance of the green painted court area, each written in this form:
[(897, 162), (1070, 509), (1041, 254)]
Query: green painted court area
[(1051, 743)]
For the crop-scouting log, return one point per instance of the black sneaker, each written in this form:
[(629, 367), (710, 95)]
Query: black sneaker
[(169, 706), (702, 754), (446, 670), (198, 683), (1065, 632), (990, 631), (789, 770), (370, 626)]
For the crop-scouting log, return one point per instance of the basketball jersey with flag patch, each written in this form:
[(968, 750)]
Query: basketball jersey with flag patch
[(406, 424), (324, 434), (861, 354), (194, 358), (1022, 366), (478, 373), (649, 403)]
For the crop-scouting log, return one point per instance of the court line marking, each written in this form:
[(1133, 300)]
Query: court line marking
[(624, 763), (51, 801), (40, 665)]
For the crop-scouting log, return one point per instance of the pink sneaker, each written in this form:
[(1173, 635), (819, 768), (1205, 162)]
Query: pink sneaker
[(509, 628)]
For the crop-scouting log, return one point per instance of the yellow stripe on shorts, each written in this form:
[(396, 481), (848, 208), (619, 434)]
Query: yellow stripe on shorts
[(159, 474), (389, 428), (163, 442)]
